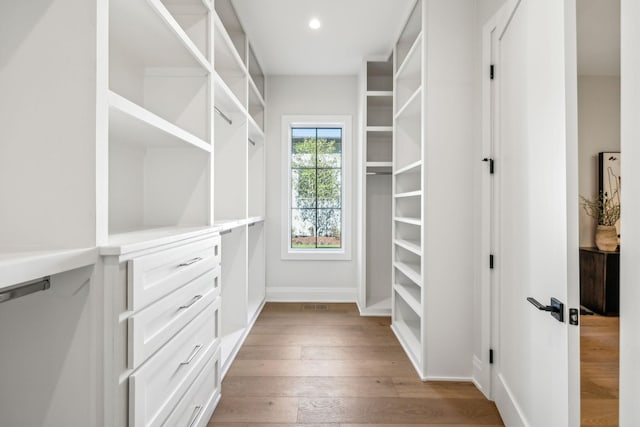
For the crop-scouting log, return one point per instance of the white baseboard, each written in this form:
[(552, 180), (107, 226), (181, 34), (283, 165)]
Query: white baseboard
[(507, 405), (480, 377), (311, 294), (447, 378)]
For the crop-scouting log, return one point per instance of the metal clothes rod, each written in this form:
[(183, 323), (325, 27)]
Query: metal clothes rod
[(252, 224), (252, 142), (23, 289), (223, 115), (223, 232), (378, 173)]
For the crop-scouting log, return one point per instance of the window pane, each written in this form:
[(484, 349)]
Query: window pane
[(303, 188), (329, 228), (303, 148), (329, 188), (329, 148), (303, 230)]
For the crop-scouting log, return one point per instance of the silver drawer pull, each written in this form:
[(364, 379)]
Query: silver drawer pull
[(191, 261), (195, 415), (194, 353), (190, 303)]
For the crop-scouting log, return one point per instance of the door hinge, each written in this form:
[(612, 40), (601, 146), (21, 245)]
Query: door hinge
[(491, 356), (492, 72), (491, 164), (491, 261)]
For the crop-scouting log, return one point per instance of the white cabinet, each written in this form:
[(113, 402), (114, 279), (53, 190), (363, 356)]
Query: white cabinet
[(158, 345)]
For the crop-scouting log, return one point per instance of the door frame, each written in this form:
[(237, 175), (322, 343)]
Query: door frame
[(488, 294)]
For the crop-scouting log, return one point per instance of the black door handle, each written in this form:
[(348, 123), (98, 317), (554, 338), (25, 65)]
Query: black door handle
[(556, 308)]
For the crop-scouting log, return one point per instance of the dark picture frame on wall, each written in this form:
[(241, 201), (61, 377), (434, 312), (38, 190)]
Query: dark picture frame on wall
[(609, 179)]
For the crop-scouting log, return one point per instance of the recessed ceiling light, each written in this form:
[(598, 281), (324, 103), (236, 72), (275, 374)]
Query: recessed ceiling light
[(314, 24)]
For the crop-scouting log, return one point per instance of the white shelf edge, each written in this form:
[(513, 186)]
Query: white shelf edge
[(381, 93), (255, 132), (219, 83), (414, 304), (379, 164), (407, 104), (408, 194), (410, 53), (407, 220), (408, 341), (255, 220), (410, 167), (409, 245), (217, 23), (256, 91), (119, 244), (173, 25), (143, 115), (23, 265), (409, 271), (379, 128)]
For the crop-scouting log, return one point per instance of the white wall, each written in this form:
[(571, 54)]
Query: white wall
[(630, 233), (295, 280), (598, 130)]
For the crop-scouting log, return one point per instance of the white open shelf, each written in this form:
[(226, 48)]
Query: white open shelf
[(411, 295), (411, 270), (224, 99), (382, 129), (410, 168), (410, 245), (408, 220), (147, 30), (411, 107), (128, 121), (379, 164), (228, 64), (406, 325), (417, 193), (256, 76)]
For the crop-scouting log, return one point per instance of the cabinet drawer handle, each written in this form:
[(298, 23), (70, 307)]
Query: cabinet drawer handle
[(190, 303), (193, 355), (195, 415), (191, 261)]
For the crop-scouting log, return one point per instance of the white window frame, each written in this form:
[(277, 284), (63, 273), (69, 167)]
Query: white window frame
[(289, 122)]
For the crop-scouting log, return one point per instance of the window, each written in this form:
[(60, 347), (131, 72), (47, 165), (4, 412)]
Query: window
[(316, 179)]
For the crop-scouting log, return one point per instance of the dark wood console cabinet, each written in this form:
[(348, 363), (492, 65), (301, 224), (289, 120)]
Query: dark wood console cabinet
[(600, 281)]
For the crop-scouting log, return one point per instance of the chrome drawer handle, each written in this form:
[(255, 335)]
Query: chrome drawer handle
[(194, 353), (195, 415), (190, 303), (191, 261)]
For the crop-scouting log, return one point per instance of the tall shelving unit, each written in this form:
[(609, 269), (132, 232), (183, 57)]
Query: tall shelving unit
[(408, 300), (376, 159), (127, 154), (239, 206)]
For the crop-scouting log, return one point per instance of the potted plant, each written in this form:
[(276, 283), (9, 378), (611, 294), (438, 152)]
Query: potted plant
[(606, 211)]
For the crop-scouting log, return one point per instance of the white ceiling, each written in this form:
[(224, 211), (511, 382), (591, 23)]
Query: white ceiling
[(351, 29), (598, 24)]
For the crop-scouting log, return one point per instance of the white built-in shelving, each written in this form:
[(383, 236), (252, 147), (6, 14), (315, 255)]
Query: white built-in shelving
[(408, 301), (376, 166)]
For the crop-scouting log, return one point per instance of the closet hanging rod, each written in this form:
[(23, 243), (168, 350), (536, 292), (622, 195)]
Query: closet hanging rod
[(378, 173), (252, 142), (23, 289), (223, 232), (223, 115)]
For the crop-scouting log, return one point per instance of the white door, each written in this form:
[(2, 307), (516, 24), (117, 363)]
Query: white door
[(533, 238)]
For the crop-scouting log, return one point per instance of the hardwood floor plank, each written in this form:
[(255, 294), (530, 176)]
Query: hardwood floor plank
[(238, 386), (314, 340), (219, 424), (599, 412), (321, 368), (414, 387), (388, 352), (256, 410), (416, 425), (266, 352), (398, 410), (324, 330)]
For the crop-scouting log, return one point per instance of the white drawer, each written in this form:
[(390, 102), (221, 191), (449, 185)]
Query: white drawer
[(152, 327), (158, 385), (191, 411), (150, 277)]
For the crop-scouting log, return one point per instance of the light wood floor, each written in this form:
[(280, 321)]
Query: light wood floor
[(599, 353), (324, 365)]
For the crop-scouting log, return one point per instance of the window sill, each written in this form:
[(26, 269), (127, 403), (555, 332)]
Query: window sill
[(315, 255)]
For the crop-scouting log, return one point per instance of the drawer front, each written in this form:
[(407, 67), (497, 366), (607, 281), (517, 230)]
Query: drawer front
[(154, 326), (192, 409), (156, 388), (150, 277)]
